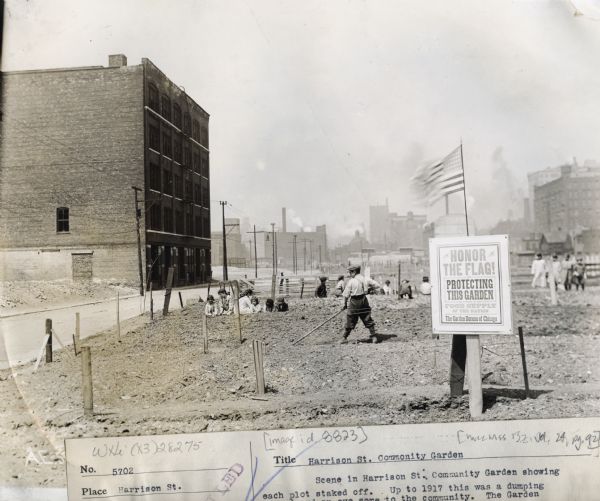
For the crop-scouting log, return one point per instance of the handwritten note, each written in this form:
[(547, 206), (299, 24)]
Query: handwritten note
[(541, 459)]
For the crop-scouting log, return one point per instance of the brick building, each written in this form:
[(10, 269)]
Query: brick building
[(74, 143)]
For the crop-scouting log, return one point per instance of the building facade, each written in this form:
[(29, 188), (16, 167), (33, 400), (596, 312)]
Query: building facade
[(569, 203), (237, 254), (75, 141), (391, 231)]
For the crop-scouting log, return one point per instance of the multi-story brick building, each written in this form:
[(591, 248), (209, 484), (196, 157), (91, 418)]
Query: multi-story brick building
[(74, 143)]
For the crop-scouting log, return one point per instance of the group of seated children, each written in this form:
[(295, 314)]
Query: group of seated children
[(248, 304)]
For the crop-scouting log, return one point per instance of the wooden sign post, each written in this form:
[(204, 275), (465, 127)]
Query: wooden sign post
[(258, 347), (470, 297), (236, 306), (168, 291)]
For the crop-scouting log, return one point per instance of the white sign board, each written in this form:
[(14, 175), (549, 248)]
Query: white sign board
[(470, 285)]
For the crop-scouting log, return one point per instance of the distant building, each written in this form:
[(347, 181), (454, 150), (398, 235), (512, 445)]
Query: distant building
[(237, 254), (74, 142), (569, 203), (390, 231), (556, 242), (307, 249)]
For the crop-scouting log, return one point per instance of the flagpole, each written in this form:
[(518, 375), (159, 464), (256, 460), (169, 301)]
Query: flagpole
[(462, 165)]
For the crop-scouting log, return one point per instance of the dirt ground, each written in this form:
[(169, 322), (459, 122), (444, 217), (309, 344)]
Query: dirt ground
[(158, 380), (20, 296)]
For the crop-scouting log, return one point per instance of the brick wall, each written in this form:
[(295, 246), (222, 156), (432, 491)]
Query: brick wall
[(72, 138)]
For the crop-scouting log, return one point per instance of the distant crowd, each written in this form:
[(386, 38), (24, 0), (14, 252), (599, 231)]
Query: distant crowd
[(567, 272), (249, 303)]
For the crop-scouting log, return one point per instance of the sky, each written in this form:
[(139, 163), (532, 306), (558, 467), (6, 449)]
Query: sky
[(327, 107)]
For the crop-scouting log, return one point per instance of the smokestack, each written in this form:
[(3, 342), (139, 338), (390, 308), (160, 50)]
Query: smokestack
[(283, 220)]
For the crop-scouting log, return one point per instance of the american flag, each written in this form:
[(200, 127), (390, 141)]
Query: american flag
[(438, 179)]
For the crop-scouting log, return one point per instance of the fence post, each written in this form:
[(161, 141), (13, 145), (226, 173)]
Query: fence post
[(301, 287), (151, 303), (77, 335), (258, 347), (205, 332), (180, 300), (168, 291), (273, 281), (524, 362), (236, 306), (118, 319), (49, 343), (86, 370)]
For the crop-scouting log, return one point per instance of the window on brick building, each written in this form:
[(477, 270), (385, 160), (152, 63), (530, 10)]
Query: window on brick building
[(177, 149), (176, 116), (62, 220), (196, 130), (165, 109), (198, 222), (187, 123), (204, 136), (188, 189), (189, 229), (196, 162), (166, 146), (178, 186), (167, 182), (197, 199), (179, 222), (153, 138), (205, 226), (205, 195), (155, 214), (153, 97), (168, 219), (155, 183), (204, 164), (187, 157)]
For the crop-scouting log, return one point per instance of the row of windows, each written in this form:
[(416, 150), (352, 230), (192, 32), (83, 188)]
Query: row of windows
[(161, 219), (173, 148), (180, 186), (188, 126)]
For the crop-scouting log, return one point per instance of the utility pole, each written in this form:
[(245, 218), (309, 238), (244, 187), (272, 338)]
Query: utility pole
[(304, 256), (320, 264), (311, 255), (295, 255), (225, 274), (138, 215), (273, 242)]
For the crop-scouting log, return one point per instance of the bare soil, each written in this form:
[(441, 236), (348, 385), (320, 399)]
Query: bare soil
[(17, 296), (158, 380)]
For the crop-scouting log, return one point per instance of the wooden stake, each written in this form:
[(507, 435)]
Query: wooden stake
[(118, 319), (42, 349), (77, 335), (180, 300), (86, 371), (474, 376), (301, 287), (205, 332), (168, 291), (49, 342), (524, 362), (258, 347), (273, 281), (236, 306), (151, 303)]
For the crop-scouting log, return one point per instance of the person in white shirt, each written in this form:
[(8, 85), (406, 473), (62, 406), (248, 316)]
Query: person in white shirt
[(246, 305), (256, 306), (356, 303), (556, 270), (387, 290), (538, 270), (225, 304), (425, 287)]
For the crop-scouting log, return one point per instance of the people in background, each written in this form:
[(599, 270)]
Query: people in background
[(225, 303), (245, 302), (567, 270), (281, 304), (321, 290), (211, 309), (556, 270), (425, 287), (339, 286), (387, 290), (538, 270), (405, 289), (256, 306), (579, 274)]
